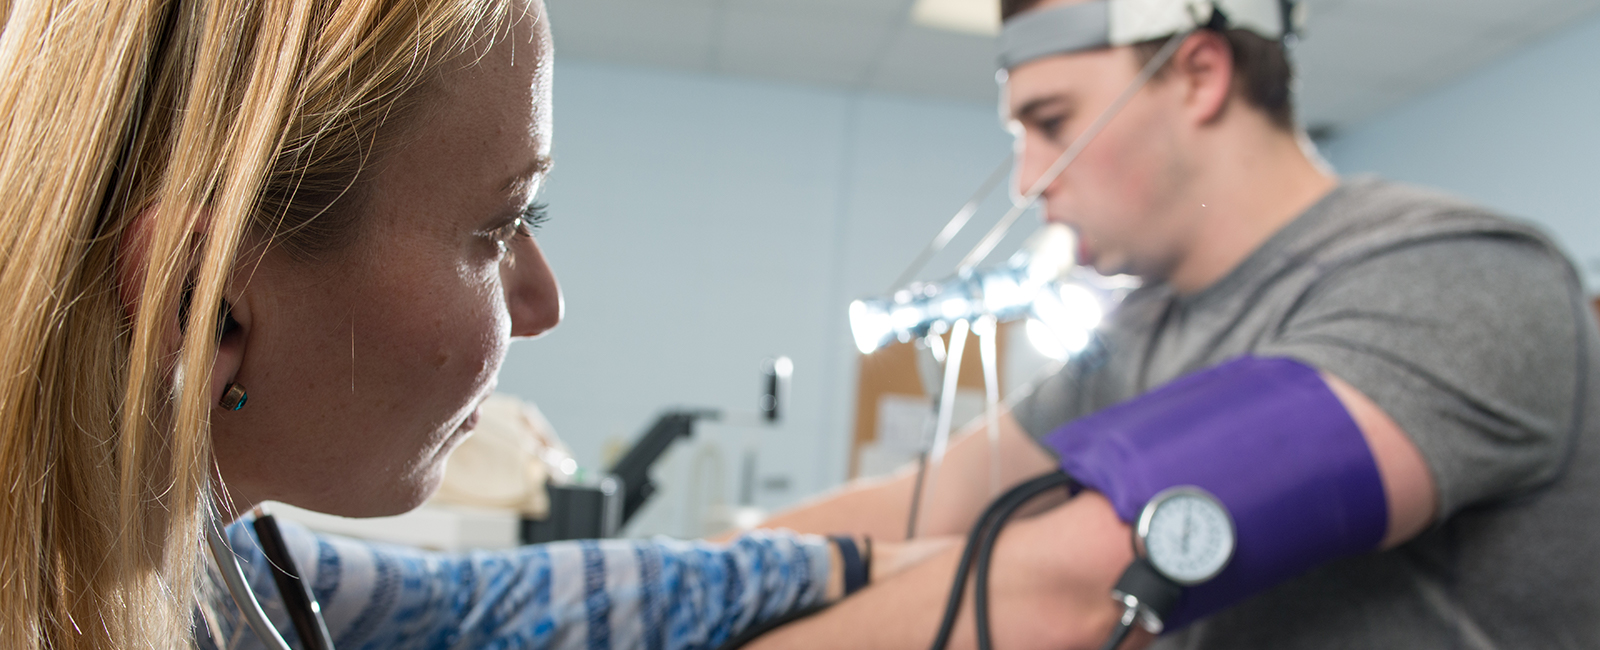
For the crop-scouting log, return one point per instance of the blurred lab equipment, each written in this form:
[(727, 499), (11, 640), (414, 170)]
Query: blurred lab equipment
[(601, 509)]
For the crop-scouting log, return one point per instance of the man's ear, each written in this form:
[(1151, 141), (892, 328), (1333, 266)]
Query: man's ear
[(1204, 65)]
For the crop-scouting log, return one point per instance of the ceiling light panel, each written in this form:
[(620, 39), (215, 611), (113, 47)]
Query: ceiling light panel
[(981, 17)]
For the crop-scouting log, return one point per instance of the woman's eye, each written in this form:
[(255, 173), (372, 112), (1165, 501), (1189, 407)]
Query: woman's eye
[(524, 225)]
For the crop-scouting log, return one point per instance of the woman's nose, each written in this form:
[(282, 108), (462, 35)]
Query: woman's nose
[(532, 294)]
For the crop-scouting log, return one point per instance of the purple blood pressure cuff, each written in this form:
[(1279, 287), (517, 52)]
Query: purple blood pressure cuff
[(1270, 440)]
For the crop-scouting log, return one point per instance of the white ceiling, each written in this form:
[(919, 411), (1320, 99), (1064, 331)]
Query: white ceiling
[(1358, 57)]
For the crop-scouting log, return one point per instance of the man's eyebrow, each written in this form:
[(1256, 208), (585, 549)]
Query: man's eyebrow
[(1030, 109), (524, 181)]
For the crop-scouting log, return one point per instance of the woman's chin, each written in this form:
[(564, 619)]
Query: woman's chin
[(383, 488), (384, 496), (409, 494)]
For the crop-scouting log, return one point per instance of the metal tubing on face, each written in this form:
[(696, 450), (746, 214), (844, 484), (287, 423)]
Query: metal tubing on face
[(953, 226)]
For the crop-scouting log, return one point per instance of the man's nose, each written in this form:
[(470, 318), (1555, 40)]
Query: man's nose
[(532, 294), (1034, 155)]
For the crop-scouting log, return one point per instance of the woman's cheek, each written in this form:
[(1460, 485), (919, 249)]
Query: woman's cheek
[(487, 330)]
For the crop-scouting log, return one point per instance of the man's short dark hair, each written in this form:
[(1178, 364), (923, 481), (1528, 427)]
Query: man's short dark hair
[(1261, 71)]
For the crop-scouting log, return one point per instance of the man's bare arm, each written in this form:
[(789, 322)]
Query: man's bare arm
[(1050, 590), (880, 507), (1053, 573)]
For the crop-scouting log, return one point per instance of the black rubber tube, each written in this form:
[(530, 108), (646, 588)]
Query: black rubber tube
[(296, 593), (1020, 494), (985, 556)]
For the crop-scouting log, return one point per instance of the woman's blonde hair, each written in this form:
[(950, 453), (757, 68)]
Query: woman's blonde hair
[(207, 123)]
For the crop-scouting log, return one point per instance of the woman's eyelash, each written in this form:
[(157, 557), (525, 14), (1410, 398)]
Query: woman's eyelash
[(533, 216), (525, 224)]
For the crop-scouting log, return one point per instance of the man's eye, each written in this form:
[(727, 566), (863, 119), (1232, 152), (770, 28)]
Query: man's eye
[(1051, 126)]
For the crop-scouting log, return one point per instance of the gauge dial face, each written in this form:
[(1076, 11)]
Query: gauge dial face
[(1187, 534)]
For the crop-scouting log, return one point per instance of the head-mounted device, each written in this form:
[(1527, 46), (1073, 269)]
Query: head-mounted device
[(1098, 24)]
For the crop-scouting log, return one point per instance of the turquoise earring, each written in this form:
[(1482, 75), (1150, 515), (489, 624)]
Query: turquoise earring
[(233, 397)]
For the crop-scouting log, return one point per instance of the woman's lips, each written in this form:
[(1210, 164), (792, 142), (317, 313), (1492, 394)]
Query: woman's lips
[(472, 419)]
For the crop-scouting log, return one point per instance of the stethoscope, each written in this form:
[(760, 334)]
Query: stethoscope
[(304, 611)]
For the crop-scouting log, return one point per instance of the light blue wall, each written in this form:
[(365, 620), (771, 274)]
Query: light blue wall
[(702, 224), (1522, 136)]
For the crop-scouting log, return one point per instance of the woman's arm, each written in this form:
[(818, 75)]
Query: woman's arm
[(657, 593), (1051, 589)]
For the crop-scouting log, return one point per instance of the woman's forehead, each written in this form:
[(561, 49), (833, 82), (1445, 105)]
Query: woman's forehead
[(485, 140), (501, 94)]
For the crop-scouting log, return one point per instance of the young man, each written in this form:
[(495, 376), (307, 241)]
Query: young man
[(1455, 345)]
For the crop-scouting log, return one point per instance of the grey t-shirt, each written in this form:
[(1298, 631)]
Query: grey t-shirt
[(1472, 333)]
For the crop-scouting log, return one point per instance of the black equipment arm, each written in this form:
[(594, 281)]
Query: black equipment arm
[(633, 469)]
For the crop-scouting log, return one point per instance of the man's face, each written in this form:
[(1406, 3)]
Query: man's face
[(1118, 194)]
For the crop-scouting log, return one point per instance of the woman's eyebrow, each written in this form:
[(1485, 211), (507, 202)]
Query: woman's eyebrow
[(526, 181)]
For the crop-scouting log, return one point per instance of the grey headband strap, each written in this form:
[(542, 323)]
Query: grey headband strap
[(1057, 30), (1104, 23)]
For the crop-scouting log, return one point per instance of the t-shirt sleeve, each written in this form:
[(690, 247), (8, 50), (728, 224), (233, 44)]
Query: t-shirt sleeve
[(1470, 345), (1088, 381), (1048, 403)]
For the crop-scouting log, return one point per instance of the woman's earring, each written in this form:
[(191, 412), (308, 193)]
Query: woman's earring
[(233, 397)]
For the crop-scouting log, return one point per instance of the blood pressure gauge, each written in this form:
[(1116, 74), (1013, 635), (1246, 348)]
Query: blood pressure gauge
[(1186, 534)]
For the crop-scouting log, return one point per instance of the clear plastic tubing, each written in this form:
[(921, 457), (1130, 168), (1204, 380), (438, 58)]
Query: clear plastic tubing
[(987, 329), (947, 403)]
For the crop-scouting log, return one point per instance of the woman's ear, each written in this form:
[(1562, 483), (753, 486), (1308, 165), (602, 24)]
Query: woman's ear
[(132, 263), (232, 325), (133, 259)]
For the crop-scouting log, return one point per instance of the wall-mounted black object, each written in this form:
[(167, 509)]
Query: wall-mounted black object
[(633, 469), (593, 512), (599, 511), (578, 512), (775, 388)]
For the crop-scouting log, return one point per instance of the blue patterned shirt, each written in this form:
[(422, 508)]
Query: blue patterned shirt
[(659, 594)]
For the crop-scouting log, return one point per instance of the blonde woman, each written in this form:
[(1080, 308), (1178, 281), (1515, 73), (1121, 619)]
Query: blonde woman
[(276, 249)]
